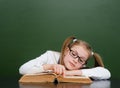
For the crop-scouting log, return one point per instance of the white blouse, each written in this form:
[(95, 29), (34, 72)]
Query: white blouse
[(52, 57)]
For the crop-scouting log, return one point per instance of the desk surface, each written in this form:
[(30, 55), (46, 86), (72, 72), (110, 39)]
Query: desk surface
[(12, 82)]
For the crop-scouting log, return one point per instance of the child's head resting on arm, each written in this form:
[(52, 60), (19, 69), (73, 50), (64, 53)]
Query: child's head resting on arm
[(75, 54)]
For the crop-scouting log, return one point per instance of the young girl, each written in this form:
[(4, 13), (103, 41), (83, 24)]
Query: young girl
[(71, 61)]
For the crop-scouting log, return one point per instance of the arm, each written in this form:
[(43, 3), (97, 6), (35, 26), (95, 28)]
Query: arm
[(33, 66), (36, 65), (97, 73)]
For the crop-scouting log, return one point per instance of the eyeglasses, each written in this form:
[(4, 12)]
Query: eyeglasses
[(74, 55)]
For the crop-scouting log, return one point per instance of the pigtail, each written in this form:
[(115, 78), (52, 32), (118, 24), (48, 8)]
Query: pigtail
[(65, 45), (98, 60)]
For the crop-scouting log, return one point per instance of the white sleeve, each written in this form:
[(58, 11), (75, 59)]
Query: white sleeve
[(97, 73), (35, 65)]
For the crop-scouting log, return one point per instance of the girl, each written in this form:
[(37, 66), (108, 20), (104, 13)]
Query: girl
[(71, 61)]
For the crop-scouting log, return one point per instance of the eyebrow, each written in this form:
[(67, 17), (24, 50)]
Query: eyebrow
[(79, 56)]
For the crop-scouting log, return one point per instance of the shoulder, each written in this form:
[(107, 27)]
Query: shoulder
[(52, 53), (52, 56)]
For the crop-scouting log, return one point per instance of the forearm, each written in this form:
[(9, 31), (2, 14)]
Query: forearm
[(37, 65), (30, 69), (73, 72), (97, 73), (33, 69), (48, 66)]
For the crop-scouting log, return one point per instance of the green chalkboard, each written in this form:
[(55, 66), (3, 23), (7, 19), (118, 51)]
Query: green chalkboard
[(30, 27)]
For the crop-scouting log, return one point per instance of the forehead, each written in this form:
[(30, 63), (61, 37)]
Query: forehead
[(81, 50)]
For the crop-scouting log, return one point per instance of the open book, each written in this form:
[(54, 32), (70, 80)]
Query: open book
[(52, 77)]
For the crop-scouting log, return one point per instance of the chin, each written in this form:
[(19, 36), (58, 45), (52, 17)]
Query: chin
[(71, 69), (68, 68)]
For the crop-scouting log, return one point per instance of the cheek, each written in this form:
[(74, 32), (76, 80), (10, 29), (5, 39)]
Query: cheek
[(66, 58)]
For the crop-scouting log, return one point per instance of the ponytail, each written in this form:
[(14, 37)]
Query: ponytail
[(66, 44), (98, 60)]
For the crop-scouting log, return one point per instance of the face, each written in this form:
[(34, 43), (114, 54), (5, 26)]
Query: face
[(75, 57)]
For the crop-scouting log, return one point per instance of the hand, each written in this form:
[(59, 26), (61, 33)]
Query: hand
[(59, 69)]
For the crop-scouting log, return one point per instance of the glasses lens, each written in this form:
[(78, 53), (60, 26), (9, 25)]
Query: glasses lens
[(74, 55)]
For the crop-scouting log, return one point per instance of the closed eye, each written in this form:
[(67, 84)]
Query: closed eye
[(74, 54)]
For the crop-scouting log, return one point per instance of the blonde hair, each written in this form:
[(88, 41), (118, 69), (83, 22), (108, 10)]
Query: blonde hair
[(69, 42)]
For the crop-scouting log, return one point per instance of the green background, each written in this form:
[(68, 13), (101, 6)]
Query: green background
[(30, 27)]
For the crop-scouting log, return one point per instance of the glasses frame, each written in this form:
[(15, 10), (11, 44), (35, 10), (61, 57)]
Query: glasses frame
[(72, 53)]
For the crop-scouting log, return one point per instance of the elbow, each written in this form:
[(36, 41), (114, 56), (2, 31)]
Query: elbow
[(103, 74), (21, 71), (30, 70), (24, 70), (107, 74)]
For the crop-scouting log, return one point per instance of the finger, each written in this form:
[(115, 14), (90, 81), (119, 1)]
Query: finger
[(55, 69), (63, 71), (60, 70)]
